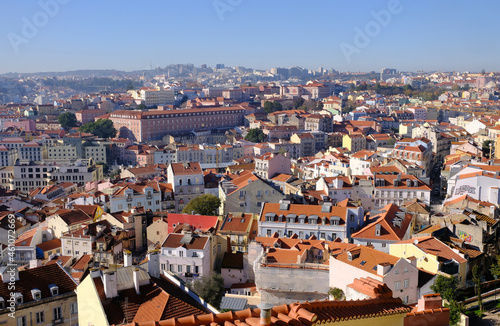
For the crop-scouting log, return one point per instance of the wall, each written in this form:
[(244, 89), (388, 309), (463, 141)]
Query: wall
[(90, 309), (288, 285)]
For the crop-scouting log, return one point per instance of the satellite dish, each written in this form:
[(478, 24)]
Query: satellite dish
[(415, 242)]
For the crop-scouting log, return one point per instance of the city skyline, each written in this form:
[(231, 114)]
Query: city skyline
[(64, 35)]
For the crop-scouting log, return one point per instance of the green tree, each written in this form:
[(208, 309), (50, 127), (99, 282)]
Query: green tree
[(102, 128), (67, 120), (298, 103), (268, 106), (456, 309), (204, 205), (446, 286), (271, 107), (210, 288), (336, 293), (142, 107), (255, 135), (495, 268), (477, 281), (391, 141), (130, 86)]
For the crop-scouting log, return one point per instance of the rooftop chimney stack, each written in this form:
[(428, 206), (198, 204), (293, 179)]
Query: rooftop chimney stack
[(136, 281), (265, 314), (154, 263), (127, 258), (110, 286)]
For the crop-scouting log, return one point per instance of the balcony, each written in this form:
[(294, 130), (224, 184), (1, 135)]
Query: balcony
[(191, 275), (58, 321)]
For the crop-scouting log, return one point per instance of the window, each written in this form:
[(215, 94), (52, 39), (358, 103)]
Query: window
[(268, 232), (179, 268), (181, 253), (397, 271), (405, 270), (396, 285), (40, 317), (406, 283), (196, 269), (73, 308), (188, 269), (21, 321), (405, 299), (351, 218), (322, 235), (171, 267), (54, 290), (57, 313)]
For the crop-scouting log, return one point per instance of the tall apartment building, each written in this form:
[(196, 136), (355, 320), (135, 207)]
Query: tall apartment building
[(26, 177), (187, 182)]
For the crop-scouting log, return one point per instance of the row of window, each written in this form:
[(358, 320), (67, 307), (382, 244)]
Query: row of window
[(56, 314), (182, 268), (289, 233)]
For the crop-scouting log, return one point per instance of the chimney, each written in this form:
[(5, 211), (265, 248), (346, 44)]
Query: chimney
[(34, 263), (95, 272), (430, 301), (154, 263), (127, 258), (265, 314), (110, 286), (383, 268), (136, 281)]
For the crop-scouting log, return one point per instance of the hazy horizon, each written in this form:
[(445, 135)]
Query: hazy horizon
[(65, 35)]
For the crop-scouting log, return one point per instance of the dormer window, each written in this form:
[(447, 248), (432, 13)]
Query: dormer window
[(335, 220), (19, 298), (377, 230), (36, 294), (54, 289)]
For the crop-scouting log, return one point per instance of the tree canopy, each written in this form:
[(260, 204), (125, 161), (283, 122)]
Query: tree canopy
[(495, 268), (204, 205), (102, 128), (255, 135), (446, 286), (271, 107), (210, 288), (67, 120)]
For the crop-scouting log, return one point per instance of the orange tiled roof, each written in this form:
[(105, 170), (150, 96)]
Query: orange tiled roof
[(435, 247), (297, 314), (388, 231), (369, 256)]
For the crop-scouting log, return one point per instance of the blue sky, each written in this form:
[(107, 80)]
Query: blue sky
[(128, 35)]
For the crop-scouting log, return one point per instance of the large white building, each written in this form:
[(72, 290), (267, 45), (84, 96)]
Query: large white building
[(130, 195), (187, 255), (478, 181), (155, 95), (187, 182), (325, 222)]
